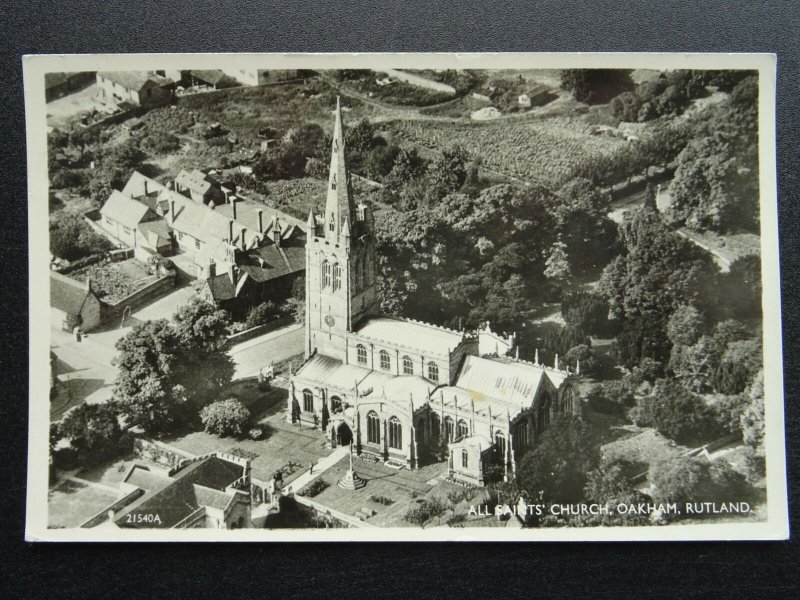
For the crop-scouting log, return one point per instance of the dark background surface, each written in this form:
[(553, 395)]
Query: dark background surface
[(381, 570)]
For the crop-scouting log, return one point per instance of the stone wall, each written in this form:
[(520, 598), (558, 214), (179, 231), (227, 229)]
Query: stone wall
[(139, 297)]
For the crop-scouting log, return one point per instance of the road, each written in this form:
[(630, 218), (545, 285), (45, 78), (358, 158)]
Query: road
[(274, 346)]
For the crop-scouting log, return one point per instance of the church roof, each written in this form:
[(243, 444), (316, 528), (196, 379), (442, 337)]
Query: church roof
[(412, 334), (332, 372)]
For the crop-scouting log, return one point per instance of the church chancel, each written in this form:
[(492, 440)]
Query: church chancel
[(401, 391)]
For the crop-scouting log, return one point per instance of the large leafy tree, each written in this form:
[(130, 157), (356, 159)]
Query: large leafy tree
[(596, 86), (558, 465), (93, 430), (226, 417)]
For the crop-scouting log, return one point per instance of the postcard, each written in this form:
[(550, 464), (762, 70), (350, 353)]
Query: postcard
[(368, 297)]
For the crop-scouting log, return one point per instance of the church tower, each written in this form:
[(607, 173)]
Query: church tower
[(340, 260)]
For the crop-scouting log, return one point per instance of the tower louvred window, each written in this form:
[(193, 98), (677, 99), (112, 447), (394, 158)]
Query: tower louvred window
[(337, 276)]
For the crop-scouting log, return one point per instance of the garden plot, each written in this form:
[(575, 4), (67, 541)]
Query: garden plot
[(113, 281)]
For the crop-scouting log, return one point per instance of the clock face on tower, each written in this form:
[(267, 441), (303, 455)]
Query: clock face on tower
[(329, 320)]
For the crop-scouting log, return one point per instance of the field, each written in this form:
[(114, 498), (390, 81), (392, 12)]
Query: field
[(543, 151)]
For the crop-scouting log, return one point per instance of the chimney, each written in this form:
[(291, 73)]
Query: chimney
[(233, 205), (172, 211), (260, 220), (230, 232), (145, 187), (555, 365), (232, 273), (243, 242), (276, 233), (212, 268)]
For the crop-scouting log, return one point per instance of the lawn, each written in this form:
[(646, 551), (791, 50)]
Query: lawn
[(284, 445), (70, 503)]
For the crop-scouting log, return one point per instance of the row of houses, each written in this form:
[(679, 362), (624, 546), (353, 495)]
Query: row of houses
[(156, 88), (242, 252)]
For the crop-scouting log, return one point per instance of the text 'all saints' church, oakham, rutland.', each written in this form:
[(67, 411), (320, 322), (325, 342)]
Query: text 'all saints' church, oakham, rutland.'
[(401, 391)]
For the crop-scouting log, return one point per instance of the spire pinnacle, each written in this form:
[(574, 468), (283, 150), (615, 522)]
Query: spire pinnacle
[(339, 205)]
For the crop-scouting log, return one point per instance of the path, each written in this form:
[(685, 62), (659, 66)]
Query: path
[(272, 347), (319, 468)]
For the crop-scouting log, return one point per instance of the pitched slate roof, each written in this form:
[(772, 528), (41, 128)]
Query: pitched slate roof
[(195, 180), (200, 484), (212, 76), (126, 210), (66, 294), (270, 261), (134, 80), (221, 287)]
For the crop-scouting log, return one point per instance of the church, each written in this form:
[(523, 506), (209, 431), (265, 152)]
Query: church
[(404, 392)]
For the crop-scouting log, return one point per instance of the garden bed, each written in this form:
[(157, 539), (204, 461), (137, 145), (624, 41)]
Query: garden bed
[(113, 281)]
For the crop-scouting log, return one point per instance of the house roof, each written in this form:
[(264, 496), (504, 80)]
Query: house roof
[(52, 80), (212, 76), (195, 180), (146, 190), (134, 80), (413, 334), (270, 261), (126, 210), (155, 232), (221, 287), (66, 294), (198, 485)]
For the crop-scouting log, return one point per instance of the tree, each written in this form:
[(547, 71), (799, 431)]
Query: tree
[(685, 325), (448, 171), (558, 465), (596, 86), (676, 479), (752, 418), (642, 338), (261, 314), (675, 412), (93, 430), (607, 485), (557, 267), (71, 239), (740, 362), (585, 311), (226, 417), (740, 287), (583, 355)]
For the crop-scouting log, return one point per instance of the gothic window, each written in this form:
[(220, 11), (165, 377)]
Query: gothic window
[(449, 429), (433, 371), (326, 274), (522, 435), (332, 222), (361, 354), (500, 444), (308, 401), (337, 276), (395, 434), (373, 428), (385, 362), (543, 414), (567, 400), (464, 458), (463, 429), (436, 427), (336, 404), (408, 366)]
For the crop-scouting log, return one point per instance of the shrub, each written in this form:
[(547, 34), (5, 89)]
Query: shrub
[(226, 417), (382, 500), (314, 488), (261, 314), (71, 239), (675, 412), (429, 509)]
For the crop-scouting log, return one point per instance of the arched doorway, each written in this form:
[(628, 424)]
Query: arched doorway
[(344, 435)]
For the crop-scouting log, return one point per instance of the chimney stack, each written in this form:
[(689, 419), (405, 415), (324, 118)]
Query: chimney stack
[(233, 205), (172, 211), (276, 232), (260, 220), (243, 242), (230, 232)]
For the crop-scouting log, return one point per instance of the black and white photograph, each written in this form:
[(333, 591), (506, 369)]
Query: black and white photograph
[(404, 297)]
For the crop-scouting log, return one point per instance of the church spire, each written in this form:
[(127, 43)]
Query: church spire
[(339, 205)]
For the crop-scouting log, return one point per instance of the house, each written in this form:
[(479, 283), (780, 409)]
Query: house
[(132, 223), (402, 391), (211, 491), (139, 88), (73, 304), (538, 95), (57, 85), (213, 78), (200, 187)]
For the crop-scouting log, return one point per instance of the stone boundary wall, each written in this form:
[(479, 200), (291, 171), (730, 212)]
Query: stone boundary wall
[(253, 332), (323, 510), (137, 111), (156, 453), (139, 297), (102, 516)]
